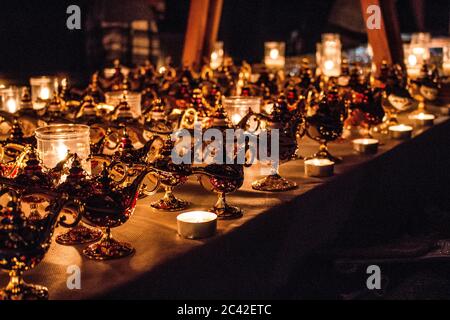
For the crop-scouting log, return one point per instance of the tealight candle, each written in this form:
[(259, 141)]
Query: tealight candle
[(423, 119), (401, 132), (42, 89), (366, 146), (10, 99), (238, 107), (319, 167), (274, 57), (217, 55), (197, 224), (55, 141)]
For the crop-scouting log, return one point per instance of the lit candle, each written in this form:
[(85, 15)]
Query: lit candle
[(236, 118), (329, 55), (423, 119), (446, 68), (10, 99), (366, 146), (319, 167), (44, 94), (55, 141), (274, 57), (238, 107), (11, 105), (197, 224), (401, 132), (328, 65)]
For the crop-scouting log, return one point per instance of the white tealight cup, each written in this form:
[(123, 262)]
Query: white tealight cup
[(401, 132), (197, 224), (319, 167), (366, 145), (423, 119)]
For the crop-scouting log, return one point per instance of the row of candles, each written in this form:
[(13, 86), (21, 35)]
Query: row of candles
[(328, 60), (55, 141), (329, 55)]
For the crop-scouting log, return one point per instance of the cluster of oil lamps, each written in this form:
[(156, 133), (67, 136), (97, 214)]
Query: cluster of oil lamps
[(91, 153)]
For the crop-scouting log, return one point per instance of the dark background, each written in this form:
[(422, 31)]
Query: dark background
[(34, 38)]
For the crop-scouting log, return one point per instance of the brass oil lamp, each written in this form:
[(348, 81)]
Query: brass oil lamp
[(78, 183), (110, 206), (283, 121), (325, 122), (222, 178), (170, 176), (24, 242)]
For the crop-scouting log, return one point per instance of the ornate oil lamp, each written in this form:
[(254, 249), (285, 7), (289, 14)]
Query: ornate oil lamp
[(123, 116), (170, 175), (222, 178), (366, 109), (13, 146), (24, 242), (109, 206), (12, 168), (396, 98), (425, 89), (93, 90), (325, 122), (88, 114), (28, 116), (157, 122), (114, 83), (54, 112), (287, 126), (77, 182)]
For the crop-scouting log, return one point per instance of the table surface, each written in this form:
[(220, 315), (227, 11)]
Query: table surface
[(160, 267)]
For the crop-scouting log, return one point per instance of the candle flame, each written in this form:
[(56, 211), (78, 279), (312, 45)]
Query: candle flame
[(45, 93), (61, 152), (274, 54), (412, 60), (236, 118), (11, 105), (328, 65)]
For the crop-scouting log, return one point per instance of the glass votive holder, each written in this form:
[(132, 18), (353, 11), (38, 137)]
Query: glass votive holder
[(10, 99), (238, 107), (217, 54), (274, 55), (133, 98), (446, 60), (330, 55), (420, 46), (54, 142), (42, 89)]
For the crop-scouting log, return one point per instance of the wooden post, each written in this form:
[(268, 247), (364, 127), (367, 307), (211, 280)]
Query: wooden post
[(195, 33), (212, 27), (386, 41)]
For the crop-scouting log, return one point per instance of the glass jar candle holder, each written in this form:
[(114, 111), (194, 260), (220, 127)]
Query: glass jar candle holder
[(217, 54), (330, 55), (133, 98), (10, 99), (411, 62), (42, 89), (420, 46), (54, 142), (238, 107), (274, 55), (446, 60)]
